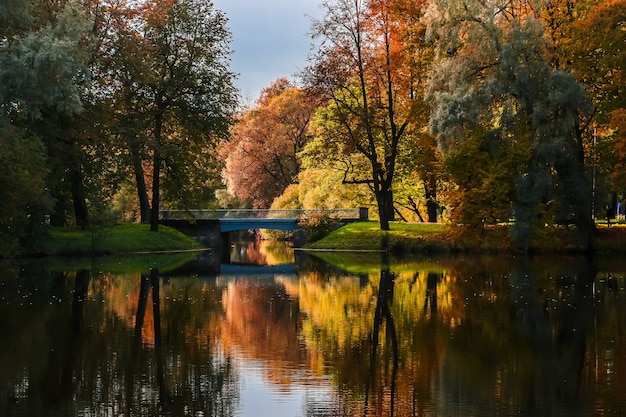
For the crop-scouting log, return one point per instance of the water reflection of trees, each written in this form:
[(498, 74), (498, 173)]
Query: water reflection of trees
[(261, 252), (484, 336), (481, 336), (377, 338), (263, 322), (97, 356)]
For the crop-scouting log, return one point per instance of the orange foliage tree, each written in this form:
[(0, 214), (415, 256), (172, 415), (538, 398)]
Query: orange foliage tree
[(365, 70), (261, 158)]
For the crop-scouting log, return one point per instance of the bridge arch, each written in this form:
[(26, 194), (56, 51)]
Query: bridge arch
[(212, 226), (233, 225)]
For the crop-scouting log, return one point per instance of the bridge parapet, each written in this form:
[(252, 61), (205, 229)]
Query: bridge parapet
[(342, 214)]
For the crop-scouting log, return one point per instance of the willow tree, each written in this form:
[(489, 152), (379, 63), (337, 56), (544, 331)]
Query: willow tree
[(494, 89), (364, 69), (43, 72)]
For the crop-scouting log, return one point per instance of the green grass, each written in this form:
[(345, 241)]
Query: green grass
[(118, 239), (367, 236), (406, 238)]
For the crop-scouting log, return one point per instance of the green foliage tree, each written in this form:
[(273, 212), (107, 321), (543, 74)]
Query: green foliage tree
[(420, 175), (22, 185), (594, 50), (14, 18), (179, 90), (43, 72), (494, 83)]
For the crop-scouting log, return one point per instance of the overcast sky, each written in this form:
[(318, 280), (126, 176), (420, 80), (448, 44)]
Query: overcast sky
[(270, 39)]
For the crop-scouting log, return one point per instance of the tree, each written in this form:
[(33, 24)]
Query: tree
[(43, 71), (593, 49), (618, 175), (181, 88), (22, 187), (494, 83), (364, 70), (419, 174), (14, 18), (261, 158)]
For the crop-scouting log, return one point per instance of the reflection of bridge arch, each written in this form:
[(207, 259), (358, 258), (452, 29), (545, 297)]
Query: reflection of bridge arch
[(257, 270)]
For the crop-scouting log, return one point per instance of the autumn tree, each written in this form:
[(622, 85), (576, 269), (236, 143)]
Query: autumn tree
[(593, 48), (420, 167), (494, 85), (261, 158), (419, 177), (363, 69), (179, 92)]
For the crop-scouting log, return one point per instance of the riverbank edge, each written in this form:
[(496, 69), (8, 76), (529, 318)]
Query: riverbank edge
[(402, 239), (119, 239), (405, 239)]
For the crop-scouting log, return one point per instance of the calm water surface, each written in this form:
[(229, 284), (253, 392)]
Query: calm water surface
[(326, 335)]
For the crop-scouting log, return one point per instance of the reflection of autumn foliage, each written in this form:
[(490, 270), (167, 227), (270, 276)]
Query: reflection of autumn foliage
[(249, 253), (123, 293), (191, 323), (263, 322), (338, 329), (262, 252)]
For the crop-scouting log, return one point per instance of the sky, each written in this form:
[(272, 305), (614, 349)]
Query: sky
[(270, 40)]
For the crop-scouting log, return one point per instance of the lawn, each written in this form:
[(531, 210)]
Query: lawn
[(406, 238), (118, 239), (367, 236)]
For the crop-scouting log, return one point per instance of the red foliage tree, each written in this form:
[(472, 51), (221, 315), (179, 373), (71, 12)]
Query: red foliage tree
[(261, 159)]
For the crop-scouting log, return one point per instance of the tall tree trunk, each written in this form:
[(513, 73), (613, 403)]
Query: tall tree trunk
[(156, 176), (81, 211), (142, 189), (384, 198), (383, 213), (431, 200)]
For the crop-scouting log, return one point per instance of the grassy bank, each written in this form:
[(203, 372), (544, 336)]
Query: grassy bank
[(118, 239), (403, 237), (423, 238)]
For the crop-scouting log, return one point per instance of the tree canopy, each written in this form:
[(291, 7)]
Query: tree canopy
[(365, 70), (481, 113), (494, 84), (261, 158)]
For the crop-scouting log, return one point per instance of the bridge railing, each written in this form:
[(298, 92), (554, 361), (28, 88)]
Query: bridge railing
[(342, 213)]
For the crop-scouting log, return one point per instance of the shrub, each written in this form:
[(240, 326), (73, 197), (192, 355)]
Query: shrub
[(317, 224)]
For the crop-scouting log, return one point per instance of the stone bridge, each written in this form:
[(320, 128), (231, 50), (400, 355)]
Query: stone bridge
[(212, 225)]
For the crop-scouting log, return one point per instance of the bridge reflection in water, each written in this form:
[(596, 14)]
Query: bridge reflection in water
[(244, 258)]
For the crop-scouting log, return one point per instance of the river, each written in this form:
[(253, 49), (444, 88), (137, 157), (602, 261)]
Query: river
[(277, 333)]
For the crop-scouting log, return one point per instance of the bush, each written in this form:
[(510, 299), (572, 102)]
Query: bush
[(316, 225)]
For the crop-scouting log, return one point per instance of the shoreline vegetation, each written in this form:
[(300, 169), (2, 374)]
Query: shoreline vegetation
[(402, 239), (420, 238)]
